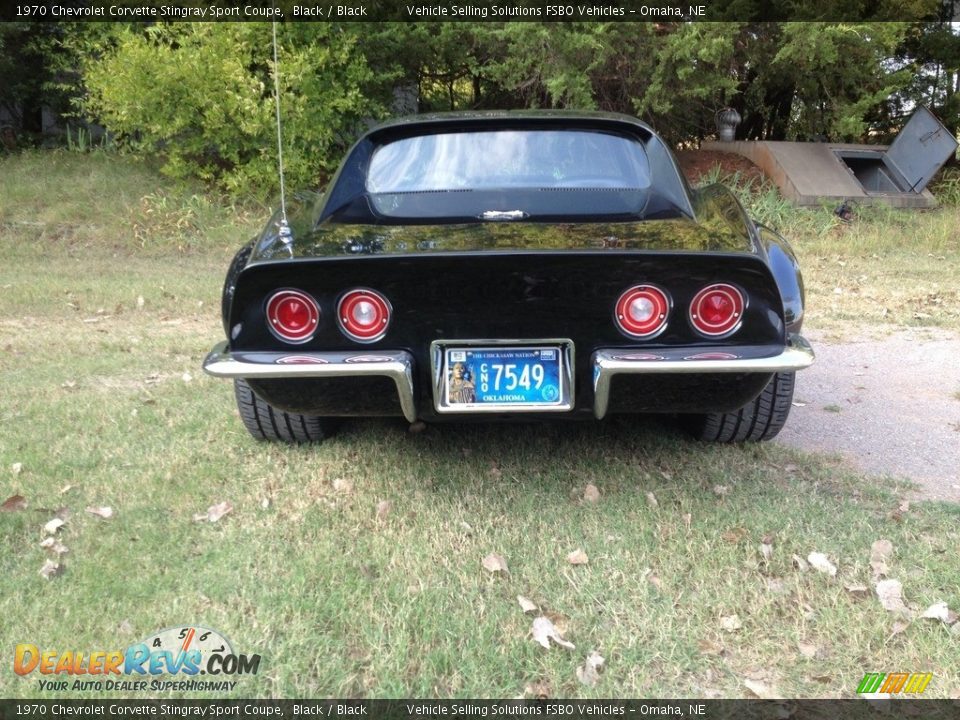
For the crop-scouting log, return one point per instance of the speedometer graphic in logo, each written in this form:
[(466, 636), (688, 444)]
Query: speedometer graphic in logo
[(190, 637), (185, 648)]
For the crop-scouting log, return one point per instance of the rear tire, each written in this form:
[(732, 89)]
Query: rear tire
[(266, 422), (760, 419)]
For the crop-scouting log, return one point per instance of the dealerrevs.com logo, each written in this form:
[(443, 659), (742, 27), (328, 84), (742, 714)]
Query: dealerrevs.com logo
[(185, 658)]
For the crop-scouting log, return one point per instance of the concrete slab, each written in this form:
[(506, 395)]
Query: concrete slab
[(813, 174)]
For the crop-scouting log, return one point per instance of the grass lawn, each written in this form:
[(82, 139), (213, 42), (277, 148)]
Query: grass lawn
[(110, 299), (886, 269)]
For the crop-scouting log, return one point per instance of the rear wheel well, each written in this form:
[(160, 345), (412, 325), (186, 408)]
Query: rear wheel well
[(760, 419), (266, 422)]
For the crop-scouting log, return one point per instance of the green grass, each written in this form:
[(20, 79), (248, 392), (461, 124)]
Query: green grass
[(77, 201), (98, 410), (888, 267)]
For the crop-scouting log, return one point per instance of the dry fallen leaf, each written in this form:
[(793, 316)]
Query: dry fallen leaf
[(890, 593), (55, 546), (808, 650), (762, 690), (709, 647), (721, 490), (766, 549), (731, 623), (857, 590), (540, 689), (591, 494), (14, 503), (495, 563), (652, 501), (940, 611), (383, 509), (821, 563), (214, 512), (65, 489), (880, 552), (589, 673), (734, 535), (544, 631), (526, 604), (898, 627), (578, 557), (105, 512), (53, 525), (50, 569)]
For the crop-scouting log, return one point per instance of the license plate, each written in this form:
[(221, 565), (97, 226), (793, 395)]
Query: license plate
[(494, 378)]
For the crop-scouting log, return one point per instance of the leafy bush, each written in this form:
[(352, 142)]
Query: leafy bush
[(200, 95)]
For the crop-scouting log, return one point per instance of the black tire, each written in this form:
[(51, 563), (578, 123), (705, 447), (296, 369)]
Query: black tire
[(266, 422), (761, 419)]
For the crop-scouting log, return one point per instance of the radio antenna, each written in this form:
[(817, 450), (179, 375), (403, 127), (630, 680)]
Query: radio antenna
[(286, 236)]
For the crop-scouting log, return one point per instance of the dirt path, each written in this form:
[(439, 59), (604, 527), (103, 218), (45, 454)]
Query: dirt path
[(890, 406)]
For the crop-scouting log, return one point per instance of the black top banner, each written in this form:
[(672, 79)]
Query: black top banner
[(882, 709), (654, 11)]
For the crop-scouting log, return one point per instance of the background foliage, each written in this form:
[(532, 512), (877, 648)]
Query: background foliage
[(199, 96)]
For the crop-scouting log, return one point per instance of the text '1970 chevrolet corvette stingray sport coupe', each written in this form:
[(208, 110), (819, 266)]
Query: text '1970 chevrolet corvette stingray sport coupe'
[(513, 265)]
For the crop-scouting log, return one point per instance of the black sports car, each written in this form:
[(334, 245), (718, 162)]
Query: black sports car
[(513, 265)]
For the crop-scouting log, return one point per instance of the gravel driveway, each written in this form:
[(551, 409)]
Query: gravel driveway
[(891, 406)]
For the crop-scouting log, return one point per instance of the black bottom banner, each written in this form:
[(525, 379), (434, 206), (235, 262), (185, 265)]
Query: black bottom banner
[(429, 709)]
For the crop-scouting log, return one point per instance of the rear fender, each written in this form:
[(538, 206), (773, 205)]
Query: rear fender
[(786, 271)]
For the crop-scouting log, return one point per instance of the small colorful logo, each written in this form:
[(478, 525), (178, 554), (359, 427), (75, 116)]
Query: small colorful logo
[(894, 683), (187, 651)]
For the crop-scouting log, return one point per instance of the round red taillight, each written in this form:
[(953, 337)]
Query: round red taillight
[(642, 311), (293, 316), (363, 315), (717, 310)]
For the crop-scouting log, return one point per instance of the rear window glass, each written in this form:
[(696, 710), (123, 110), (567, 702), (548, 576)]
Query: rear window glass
[(509, 159)]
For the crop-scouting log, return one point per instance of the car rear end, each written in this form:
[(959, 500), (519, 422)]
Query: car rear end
[(574, 294)]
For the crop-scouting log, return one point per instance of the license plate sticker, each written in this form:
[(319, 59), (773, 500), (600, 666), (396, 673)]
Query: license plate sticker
[(503, 377)]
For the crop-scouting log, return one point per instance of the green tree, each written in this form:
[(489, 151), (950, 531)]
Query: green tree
[(200, 95), (931, 51)]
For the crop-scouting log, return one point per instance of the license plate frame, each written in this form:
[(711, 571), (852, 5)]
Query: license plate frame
[(480, 395)]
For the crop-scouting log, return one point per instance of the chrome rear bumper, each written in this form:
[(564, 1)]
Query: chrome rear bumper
[(394, 364), (606, 363)]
